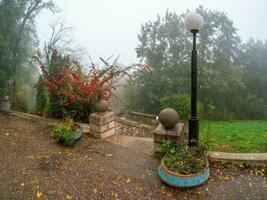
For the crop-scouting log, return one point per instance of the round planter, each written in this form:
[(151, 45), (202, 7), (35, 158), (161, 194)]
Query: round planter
[(182, 180), (78, 134)]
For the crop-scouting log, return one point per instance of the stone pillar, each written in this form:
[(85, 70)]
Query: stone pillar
[(161, 134), (5, 106), (102, 124), (169, 128)]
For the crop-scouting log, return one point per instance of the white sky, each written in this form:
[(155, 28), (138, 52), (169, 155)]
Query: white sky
[(110, 27)]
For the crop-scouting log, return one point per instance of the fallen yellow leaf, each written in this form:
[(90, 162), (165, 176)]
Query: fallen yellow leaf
[(39, 194), (69, 197), (30, 157), (128, 180), (225, 178), (109, 156), (95, 190), (22, 184)]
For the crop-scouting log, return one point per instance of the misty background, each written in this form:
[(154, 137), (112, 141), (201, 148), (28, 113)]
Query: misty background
[(108, 28), (232, 47)]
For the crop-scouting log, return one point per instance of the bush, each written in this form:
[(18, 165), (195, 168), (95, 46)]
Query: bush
[(4, 85), (18, 102), (130, 97), (181, 103), (41, 99), (183, 159), (64, 135), (73, 93), (254, 107)]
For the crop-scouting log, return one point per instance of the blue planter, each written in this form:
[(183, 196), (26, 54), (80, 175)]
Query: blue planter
[(181, 180), (78, 134)]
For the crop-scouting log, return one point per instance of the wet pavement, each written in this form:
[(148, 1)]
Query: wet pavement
[(34, 166)]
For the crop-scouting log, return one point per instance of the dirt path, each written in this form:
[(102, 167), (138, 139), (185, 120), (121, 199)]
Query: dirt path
[(33, 166)]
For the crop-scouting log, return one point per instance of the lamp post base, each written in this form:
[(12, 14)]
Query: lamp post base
[(193, 131)]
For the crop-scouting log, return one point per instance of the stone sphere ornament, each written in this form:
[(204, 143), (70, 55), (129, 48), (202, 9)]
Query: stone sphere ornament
[(102, 106), (168, 117)]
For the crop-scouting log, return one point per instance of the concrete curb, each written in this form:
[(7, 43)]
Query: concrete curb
[(251, 158)]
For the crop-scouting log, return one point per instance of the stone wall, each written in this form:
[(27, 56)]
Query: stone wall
[(131, 128)]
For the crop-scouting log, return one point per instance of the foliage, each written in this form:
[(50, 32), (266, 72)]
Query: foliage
[(240, 136), (4, 85), (41, 98), (17, 43), (165, 45), (181, 103), (183, 159), (253, 59), (254, 107), (64, 134), (18, 102), (74, 93), (130, 98)]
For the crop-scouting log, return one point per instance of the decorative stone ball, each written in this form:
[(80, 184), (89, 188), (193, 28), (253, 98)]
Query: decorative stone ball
[(6, 98), (102, 106), (168, 117)]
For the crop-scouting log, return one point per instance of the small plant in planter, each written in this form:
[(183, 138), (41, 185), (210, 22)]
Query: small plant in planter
[(184, 166), (67, 133), (64, 135)]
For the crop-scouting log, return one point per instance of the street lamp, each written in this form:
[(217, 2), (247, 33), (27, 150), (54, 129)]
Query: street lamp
[(193, 23)]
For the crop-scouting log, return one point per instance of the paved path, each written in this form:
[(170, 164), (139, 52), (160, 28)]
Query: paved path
[(33, 165)]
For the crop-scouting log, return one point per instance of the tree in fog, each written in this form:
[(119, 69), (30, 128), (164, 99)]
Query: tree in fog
[(18, 42), (165, 45)]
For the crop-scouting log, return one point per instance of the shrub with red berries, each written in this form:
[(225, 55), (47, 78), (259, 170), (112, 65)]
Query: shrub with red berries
[(73, 89)]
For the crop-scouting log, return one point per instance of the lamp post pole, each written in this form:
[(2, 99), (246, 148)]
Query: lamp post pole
[(193, 120), (193, 23)]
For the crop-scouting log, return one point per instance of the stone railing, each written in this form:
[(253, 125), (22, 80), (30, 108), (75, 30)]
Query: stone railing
[(143, 118), (131, 128)]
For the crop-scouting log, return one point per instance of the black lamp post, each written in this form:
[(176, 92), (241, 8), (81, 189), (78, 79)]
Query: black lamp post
[(193, 22)]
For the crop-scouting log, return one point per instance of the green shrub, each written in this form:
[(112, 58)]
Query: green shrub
[(181, 103), (41, 99), (54, 107), (3, 85), (254, 107), (64, 134), (18, 101), (184, 160)]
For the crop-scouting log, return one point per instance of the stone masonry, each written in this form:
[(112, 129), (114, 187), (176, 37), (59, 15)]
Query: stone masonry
[(102, 125), (161, 134)]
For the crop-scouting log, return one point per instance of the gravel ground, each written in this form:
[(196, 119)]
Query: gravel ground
[(34, 166)]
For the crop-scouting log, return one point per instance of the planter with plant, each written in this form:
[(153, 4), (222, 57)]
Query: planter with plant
[(67, 133), (184, 166)]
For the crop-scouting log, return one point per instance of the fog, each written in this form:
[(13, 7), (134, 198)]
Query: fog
[(108, 28)]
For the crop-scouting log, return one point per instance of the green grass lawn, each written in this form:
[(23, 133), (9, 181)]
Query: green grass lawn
[(244, 136)]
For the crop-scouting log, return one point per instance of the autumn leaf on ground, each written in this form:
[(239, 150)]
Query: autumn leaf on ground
[(30, 157), (95, 190), (163, 189), (109, 156), (88, 158), (128, 180), (225, 178), (69, 197), (115, 194), (22, 184), (39, 194)]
